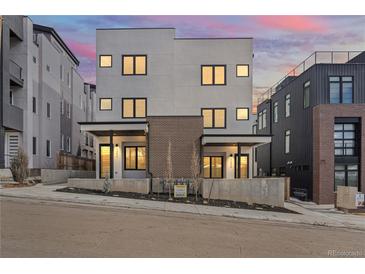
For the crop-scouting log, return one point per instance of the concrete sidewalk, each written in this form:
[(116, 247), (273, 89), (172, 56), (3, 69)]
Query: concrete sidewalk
[(307, 216)]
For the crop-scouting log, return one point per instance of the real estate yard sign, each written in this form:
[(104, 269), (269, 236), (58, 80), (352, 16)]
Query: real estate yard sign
[(180, 191), (360, 200)]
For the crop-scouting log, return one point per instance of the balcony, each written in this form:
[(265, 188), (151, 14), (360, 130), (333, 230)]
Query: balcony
[(318, 57), (16, 74)]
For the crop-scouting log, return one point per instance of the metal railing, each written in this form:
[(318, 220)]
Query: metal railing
[(16, 70), (318, 57)]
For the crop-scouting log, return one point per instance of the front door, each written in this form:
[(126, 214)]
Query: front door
[(12, 141), (244, 166), (104, 160)]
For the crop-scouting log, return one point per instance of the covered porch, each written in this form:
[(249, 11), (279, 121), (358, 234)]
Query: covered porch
[(230, 156), (120, 148)]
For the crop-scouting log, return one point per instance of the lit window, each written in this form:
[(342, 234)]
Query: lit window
[(242, 113), (105, 104), (134, 65), (105, 61), (134, 158), (133, 108), (104, 161), (287, 141), (213, 75), (214, 118), (213, 167), (242, 71)]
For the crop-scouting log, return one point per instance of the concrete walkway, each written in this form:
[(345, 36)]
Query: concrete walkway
[(308, 215)]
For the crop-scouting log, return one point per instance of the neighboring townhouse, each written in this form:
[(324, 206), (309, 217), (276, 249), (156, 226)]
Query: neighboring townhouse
[(316, 117), (160, 96), (41, 94)]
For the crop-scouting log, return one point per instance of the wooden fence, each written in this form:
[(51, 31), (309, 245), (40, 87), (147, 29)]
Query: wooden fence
[(68, 161)]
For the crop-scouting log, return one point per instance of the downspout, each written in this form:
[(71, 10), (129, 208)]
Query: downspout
[(270, 158), (150, 175)]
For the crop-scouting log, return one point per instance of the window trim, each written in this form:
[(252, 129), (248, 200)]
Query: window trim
[(355, 148), (136, 159), (248, 114), (111, 105), (248, 70), (134, 64), (210, 166), (111, 60), (134, 107), (213, 118), (213, 76), (341, 88)]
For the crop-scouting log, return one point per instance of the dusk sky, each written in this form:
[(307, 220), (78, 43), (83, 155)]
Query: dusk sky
[(280, 42)]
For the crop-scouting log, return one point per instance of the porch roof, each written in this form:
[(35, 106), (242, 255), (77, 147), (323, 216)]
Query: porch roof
[(136, 128), (235, 139)]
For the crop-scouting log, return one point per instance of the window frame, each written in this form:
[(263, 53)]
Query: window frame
[(210, 166), (34, 145), (134, 64), (355, 148), (341, 87), (306, 88), (289, 144), (111, 60), (287, 105), (275, 112), (48, 149), (134, 107), (34, 105), (248, 70), (264, 118), (111, 103), (236, 165), (48, 110), (346, 171), (136, 158), (248, 113), (213, 118), (11, 97), (213, 74)]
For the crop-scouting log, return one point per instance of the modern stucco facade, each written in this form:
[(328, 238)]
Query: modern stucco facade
[(41, 94), (171, 84)]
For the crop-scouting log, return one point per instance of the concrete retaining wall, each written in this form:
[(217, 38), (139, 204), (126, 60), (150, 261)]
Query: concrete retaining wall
[(269, 191), (56, 176), (123, 185)]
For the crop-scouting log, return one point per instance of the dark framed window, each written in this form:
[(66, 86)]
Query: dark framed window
[(345, 139), (214, 117), (341, 89), (287, 105), (105, 61), (213, 166), (346, 175), (11, 97), (264, 118), (306, 94), (134, 65), (34, 105), (244, 166), (48, 110), (242, 70), (48, 148), (213, 75), (275, 112), (134, 157), (287, 141), (104, 160), (134, 108), (260, 120), (242, 114), (34, 145), (105, 104)]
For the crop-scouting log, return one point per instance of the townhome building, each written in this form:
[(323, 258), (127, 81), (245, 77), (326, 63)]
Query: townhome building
[(42, 94), (160, 97), (316, 118)]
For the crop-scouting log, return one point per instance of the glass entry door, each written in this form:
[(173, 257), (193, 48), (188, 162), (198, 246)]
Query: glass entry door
[(244, 166), (104, 161)]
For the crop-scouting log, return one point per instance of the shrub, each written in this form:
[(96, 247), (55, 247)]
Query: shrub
[(19, 166)]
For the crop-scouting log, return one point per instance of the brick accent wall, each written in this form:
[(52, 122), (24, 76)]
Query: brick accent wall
[(182, 131), (323, 148)]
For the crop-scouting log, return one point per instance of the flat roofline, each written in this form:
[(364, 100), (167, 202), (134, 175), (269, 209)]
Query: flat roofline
[(213, 38), (132, 28)]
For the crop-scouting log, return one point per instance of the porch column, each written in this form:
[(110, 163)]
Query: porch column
[(238, 160), (111, 155)]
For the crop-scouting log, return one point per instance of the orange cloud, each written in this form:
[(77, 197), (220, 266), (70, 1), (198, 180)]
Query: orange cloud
[(293, 23)]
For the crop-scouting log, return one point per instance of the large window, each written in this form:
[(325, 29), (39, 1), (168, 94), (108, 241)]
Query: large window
[(134, 158), (242, 113), (264, 118), (287, 141), (213, 167), (214, 117), (104, 160), (341, 90), (213, 75), (243, 164), (306, 94), (346, 175), (134, 107), (134, 65), (105, 61), (105, 104), (345, 139), (287, 105), (275, 112), (242, 70)]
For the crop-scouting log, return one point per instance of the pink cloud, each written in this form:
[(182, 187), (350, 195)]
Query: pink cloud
[(82, 49), (293, 23)]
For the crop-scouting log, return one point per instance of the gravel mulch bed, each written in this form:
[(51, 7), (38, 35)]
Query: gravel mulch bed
[(189, 200)]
